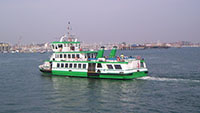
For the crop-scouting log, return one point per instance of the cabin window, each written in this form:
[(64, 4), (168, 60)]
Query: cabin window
[(62, 65), (77, 56), (57, 55), (60, 45), (75, 65), (69, 55), (65, 56), (66, 65), (70, 65), (84, 66), (73, 55), (79, 65), (58, 65), (72, 48), (53, 46), (110, 66), (88, 55), (99, 65), (60, 55), (118, 67)]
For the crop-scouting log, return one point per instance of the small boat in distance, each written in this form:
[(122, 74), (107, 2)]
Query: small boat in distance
[(68, 59)]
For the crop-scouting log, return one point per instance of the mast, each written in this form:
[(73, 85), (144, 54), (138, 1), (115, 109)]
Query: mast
[(69, 28), (69, 36)]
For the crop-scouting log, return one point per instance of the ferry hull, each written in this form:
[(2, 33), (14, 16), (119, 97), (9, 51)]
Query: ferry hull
[(98, 75)]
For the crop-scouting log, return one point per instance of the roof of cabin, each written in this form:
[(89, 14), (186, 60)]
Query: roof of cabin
[(87, 62), (79, 52), (63, 42)]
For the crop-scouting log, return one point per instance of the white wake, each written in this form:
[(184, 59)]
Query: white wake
[(167, 79)]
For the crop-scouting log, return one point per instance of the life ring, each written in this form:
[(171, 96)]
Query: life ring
[(138, 57)]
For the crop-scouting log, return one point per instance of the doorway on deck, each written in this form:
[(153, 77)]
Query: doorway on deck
[(91, 70)]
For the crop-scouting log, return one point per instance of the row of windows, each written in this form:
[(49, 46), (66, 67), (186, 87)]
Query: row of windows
[(70, 65), (91, 55), (109, 66), (65, 45), (116, 66), (67, 56), (75, 65), (74, 56)]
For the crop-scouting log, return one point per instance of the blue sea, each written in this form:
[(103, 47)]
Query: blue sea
[(173, 86)]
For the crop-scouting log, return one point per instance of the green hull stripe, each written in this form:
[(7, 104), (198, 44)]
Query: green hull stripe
[(112, 76), (134, 75), (70, 73)]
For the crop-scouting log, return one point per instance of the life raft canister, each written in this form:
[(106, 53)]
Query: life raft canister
[(138, 57), (118, 58)]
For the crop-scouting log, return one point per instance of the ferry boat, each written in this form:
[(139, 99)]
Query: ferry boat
[(69, 59)]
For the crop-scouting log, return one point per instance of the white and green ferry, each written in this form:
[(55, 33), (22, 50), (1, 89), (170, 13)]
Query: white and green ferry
[(69, 59)]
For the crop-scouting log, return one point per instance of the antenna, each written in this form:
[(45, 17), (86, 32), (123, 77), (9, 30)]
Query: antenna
[(68, 29), (70, 36)]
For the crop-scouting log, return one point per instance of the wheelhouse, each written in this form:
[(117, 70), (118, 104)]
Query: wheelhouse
[(65, 46)]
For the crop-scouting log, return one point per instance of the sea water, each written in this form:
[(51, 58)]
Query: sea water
[(173, 85)]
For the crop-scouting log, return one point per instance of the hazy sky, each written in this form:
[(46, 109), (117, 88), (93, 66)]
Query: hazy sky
[(132, 21)]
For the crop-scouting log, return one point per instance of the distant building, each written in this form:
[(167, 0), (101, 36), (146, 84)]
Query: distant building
[(4, 47)]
